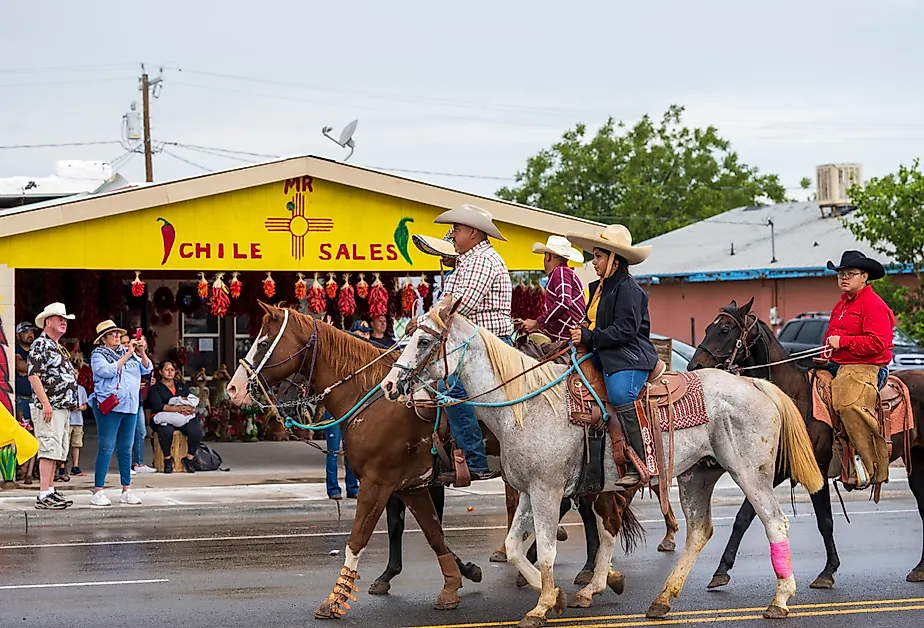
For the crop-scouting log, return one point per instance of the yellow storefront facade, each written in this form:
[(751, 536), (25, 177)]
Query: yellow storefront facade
[(302, 214)]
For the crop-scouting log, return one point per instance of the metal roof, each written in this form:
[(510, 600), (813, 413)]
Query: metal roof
[(803, 241)]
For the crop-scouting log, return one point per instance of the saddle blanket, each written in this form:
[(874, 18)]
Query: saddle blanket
[(902, 417), (689, 410)]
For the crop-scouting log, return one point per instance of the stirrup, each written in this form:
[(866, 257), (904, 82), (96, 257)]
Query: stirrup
[(862, 476)]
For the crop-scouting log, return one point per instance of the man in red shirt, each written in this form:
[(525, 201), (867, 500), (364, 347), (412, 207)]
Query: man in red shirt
[(860, 335)]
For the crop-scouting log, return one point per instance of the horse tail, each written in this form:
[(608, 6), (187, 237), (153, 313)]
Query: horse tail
[(795, 445), (632, 530)]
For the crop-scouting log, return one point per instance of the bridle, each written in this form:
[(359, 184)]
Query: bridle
[(728, 362), (437, 350)]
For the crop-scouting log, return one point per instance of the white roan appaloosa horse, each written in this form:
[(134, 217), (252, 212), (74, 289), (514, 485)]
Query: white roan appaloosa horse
[(541, 453)]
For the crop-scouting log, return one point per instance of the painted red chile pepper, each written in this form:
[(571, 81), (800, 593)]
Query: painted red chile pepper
[(168, 233)]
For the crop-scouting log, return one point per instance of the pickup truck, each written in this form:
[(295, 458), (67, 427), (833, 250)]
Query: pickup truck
[(807, 331)]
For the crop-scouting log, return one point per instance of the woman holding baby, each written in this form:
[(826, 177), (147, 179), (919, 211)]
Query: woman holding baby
[(165, 391)]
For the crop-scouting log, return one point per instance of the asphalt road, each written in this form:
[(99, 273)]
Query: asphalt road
[(274, 571)]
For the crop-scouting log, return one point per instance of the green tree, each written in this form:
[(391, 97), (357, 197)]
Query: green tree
[(652, 177), (890, 217), (805, 183)]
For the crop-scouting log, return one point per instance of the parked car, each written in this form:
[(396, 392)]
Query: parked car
[(681, 353), (807, 331)]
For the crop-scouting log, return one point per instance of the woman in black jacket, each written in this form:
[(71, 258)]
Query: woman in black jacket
[(158, 401), (619, 327)]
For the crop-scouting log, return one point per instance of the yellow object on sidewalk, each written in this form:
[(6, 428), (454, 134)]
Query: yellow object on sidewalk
[(12, 432)]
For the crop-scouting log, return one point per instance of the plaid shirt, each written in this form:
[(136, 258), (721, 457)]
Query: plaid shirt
[(482, 281), (564, 304)]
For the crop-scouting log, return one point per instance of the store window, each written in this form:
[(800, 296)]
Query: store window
[(201, 339), (242, 339)]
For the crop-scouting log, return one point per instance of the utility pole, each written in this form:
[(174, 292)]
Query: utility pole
[(146, 86)]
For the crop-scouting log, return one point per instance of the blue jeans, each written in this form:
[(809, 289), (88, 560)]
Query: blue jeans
[(116, 431), (23, 405), (465, 428), (623, 387), (333, 444), (883, 373), (138, 447)]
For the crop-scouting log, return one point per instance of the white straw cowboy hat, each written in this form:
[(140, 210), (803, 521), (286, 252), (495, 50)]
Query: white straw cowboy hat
[(106, 327), (434, 246), (52, 309), (473, 217), (557, 245), (615, 238)]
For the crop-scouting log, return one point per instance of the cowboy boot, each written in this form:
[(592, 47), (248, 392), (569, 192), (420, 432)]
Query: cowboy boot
[(628, 418)]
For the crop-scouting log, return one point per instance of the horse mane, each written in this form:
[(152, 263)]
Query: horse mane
[(507, 363), (343, 351)]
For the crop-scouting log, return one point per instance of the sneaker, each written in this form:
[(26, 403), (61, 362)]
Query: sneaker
[(49, 503), (129, 498), (99, 499), (143, 468), (168, 466), (335, 496), (77, 472), (188, 465), (133, 472), (59, 497), (352, 495)]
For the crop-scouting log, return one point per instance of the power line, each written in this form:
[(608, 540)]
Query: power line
[(183, 159), (119, 79), (58, 145), (68, 68)]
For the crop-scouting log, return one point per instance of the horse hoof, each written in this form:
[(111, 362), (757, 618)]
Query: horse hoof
[(823, 582), (616, 581), (718, 580), (667, 546), (560, 602), (775, 612), (325, 611), (657, 610), (379, 587), (499, 557), (521, 581), (472, 572), (561, 535), (531, 621), (584, 577), (581, 601), (447, 601), (915, 576)]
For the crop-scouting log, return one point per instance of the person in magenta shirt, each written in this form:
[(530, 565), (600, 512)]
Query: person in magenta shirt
[(860, 336), (564, 305)]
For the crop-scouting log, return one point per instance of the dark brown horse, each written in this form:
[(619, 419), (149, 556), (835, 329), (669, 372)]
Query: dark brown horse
[(390, 454), (739, 337)]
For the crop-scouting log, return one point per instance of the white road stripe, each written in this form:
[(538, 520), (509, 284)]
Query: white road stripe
[(316, 535), (64, 585)]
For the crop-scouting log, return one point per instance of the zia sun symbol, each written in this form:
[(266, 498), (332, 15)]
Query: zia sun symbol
[(298, 225)]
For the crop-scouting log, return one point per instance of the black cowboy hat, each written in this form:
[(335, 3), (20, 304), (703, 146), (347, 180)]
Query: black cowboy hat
[(856, 259)]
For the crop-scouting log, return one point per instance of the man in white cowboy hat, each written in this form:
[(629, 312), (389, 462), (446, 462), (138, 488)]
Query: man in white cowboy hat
[(619, 329), (54, 395), (482, 283), (564, 295)]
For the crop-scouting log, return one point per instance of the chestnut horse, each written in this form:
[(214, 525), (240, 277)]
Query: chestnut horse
[(758, 346)]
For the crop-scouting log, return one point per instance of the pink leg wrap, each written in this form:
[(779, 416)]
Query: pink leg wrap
[(782, 561)]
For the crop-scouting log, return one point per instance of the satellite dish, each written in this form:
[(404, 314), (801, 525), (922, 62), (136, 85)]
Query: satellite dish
[(115, 182), (346, 137)]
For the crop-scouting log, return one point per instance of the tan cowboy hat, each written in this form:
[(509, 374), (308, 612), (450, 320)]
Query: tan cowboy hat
[(52, 309), (104, 328), (557, 245), (615, 238), (473, 217), (434, 246)]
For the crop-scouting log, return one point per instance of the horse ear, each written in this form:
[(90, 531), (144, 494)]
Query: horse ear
[(733, 306), (265, 307), (445, 307), (745, 309), (455, 306)]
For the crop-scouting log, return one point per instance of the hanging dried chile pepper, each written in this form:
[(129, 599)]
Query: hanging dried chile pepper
[(362, 288), (331, 287), (516, 302), (378, 298), (346, 303), (316, 301), (423, 288), (219, 300), (269, 286), (408, 298), (203, 286), (301, 288), (235, 286), (137, 285)]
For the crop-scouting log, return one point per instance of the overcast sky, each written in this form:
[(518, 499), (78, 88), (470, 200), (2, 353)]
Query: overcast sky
[(471, 90)]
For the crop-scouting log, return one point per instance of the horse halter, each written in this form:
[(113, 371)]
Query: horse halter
[(727, 362), (442, 337)]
